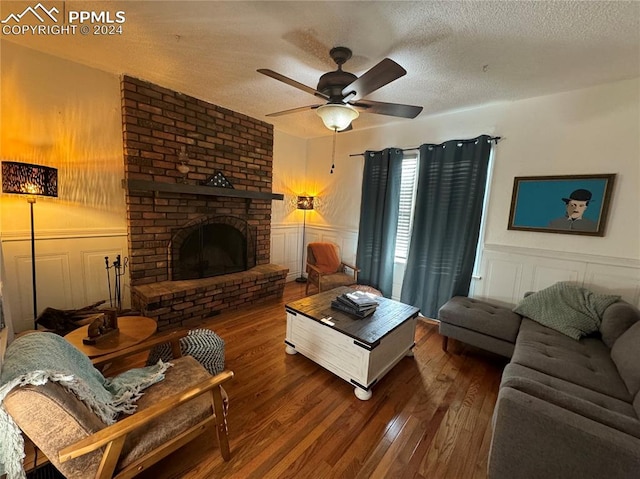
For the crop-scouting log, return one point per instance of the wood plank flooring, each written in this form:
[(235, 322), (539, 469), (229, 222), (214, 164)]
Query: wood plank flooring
[(429, 417)]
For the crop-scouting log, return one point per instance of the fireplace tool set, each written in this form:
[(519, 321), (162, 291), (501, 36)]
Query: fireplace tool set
[(119, 267)]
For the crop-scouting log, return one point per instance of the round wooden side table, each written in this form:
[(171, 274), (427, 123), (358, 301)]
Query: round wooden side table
[(132, 330)]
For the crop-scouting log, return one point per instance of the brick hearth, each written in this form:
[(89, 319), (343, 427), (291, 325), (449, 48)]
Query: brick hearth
[(175, 303), (158, 125)]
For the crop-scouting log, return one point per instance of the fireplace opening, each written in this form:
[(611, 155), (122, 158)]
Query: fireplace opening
[(213, 246)]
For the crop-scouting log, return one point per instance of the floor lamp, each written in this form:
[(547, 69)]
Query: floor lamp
[(304, 203), (32, 181)]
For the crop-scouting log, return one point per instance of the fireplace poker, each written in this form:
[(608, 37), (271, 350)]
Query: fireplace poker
[(106, 261)]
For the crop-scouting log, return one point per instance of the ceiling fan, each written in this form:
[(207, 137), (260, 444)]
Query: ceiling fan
[(344, 92)]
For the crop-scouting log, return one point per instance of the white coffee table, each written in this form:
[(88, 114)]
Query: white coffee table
[(360, 351)]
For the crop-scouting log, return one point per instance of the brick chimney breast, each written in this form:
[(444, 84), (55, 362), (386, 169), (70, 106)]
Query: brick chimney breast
[(162, 130)]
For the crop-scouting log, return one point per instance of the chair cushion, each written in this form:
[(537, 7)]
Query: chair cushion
[(185, 373), (326, 256), (53, 418), (335, 280)]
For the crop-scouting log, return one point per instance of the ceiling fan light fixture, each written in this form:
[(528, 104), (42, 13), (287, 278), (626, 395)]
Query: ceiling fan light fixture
[(337, 116)]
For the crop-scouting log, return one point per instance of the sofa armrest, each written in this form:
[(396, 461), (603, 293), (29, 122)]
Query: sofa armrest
[(533, 438)]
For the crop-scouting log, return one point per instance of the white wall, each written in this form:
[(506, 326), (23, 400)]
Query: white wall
[(289, 178), (592, 130), (61, 114)]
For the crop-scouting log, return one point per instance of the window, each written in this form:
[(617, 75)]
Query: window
[(407, 200)]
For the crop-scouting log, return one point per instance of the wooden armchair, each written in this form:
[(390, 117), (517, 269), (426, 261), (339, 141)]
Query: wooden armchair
[(188, 403), (325, 269)]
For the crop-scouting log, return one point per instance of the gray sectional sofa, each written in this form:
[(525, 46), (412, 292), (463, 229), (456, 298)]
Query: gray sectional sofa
[(566, 408)]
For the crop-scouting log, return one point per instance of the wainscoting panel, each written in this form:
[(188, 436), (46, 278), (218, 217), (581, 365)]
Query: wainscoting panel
[(614, 280), (507, 273), (54, 293), (70, 273), (501, 280), (286, 248), (546, 272)]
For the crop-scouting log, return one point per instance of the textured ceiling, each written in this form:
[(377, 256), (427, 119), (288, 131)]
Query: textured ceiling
[(457, 54)]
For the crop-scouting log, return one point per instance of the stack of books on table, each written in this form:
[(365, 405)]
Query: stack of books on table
[(358, 303)]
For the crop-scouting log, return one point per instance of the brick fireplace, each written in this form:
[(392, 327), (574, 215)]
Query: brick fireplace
[(228, 185)]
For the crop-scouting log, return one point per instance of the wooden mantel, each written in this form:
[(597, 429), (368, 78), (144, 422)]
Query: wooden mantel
[(146, 185)]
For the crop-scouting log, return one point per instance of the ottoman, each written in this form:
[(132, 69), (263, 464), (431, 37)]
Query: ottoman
[(481, 324)]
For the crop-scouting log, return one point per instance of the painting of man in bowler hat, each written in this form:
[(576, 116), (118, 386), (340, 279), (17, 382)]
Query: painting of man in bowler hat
[(575, 206)]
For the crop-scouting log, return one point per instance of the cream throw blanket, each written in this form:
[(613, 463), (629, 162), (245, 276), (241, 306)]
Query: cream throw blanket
[(40, 357)]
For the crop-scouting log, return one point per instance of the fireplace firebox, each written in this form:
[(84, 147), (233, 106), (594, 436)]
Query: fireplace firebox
[(212, 246)]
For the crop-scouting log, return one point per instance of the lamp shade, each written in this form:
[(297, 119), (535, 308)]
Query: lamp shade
[(28, 179), (305, 202), (337, 116)]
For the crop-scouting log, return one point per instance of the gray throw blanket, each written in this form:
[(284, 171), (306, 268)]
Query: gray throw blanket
[(40, 357)]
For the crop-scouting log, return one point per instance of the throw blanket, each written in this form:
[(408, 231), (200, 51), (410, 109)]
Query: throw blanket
[(40, 357), (568, 308)]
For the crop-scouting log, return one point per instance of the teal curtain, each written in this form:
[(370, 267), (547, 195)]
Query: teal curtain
[(451, 183), (379, 218)]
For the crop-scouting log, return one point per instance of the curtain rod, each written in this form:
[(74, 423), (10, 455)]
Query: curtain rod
[(491, 138)]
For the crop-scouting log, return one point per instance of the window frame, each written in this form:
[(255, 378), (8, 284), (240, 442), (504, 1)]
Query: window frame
[(410, 161)]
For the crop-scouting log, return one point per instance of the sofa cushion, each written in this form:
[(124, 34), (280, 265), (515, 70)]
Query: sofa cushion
[(626, 355), (515, 372), (481, 317), (616, 319), (622, 422), (586, 362), (567, 308)]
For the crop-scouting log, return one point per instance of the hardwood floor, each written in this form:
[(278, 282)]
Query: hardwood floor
[(429, 417)]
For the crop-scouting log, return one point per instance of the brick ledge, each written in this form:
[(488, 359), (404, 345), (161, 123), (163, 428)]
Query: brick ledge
[(167, 290)]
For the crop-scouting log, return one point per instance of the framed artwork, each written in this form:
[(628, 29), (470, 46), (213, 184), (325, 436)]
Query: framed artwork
[(571, 204)]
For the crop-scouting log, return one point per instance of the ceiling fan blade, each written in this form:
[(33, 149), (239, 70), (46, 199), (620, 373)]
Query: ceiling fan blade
[(294, 110), (391, 109), (383, 73), (293, 83)]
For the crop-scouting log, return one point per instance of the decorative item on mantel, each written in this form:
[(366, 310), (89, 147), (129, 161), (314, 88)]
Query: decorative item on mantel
[(183, 168), (218, 180)]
